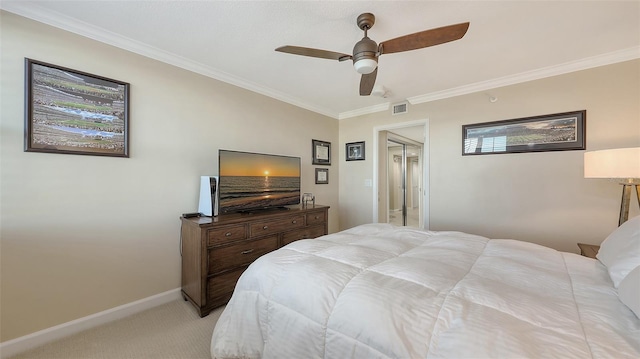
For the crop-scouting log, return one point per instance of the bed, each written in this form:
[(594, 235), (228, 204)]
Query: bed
[(380, 291)]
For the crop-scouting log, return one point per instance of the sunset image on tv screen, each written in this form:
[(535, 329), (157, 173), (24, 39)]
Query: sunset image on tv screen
[(252, 180)]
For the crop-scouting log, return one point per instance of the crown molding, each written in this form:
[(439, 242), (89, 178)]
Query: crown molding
[(61, 21), (364, 111), (578, 65), (37, 13)]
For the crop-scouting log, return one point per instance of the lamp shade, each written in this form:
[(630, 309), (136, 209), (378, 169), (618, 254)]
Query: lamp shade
[(613, 163), (365, 66)]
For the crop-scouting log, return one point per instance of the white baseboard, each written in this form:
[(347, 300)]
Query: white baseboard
[(33, 340)]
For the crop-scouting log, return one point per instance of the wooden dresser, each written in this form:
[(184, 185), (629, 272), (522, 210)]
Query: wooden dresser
[(215, 251)]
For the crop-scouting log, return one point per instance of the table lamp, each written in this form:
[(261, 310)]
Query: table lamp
[(621, 164)]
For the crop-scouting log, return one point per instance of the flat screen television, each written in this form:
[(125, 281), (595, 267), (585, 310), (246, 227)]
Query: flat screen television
[(252, 181)]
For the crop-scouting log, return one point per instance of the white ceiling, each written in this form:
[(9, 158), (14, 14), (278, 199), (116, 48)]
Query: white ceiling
[(234, 41)]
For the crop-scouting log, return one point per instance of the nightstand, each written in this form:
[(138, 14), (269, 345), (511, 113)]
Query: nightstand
[(588, 250)]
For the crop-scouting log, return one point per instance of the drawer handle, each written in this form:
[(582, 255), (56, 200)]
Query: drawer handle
[(294, 221), (265, 227), (228, 234), (317, 217), (247, 251)]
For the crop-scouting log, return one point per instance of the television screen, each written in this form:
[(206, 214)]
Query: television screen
[(250, 181)]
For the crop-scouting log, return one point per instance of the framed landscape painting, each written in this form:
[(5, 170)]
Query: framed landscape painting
[(73, 112), (556, 132)]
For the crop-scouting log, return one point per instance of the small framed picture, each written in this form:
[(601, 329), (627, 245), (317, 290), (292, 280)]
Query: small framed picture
[(355, 151), (321, 152), (322, 175)]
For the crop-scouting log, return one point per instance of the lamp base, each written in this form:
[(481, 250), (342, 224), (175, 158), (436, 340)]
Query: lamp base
[(626, 200)]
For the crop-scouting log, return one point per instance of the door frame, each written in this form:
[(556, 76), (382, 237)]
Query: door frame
[(425, 166)]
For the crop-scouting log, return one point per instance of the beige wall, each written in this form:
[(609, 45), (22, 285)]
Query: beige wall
[(536, 197), (82, 234)]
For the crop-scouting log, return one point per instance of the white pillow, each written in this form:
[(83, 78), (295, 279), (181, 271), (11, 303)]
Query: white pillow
[(629, 291), (620, 251)]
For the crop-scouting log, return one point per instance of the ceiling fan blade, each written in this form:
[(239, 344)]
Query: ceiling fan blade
[(425, 38), (366, 83), (305, 51)]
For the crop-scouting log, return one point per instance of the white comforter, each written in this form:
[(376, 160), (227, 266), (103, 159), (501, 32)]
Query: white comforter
[(378, 291)]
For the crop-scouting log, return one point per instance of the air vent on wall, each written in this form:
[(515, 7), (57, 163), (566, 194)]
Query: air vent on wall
[(400, 108)]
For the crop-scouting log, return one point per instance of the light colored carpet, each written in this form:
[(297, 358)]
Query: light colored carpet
[(172, 330)]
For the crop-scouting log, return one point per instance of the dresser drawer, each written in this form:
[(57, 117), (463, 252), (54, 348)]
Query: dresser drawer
[(315, 218), (220, 288), (226, 234), (276, 225), (239, 254), (216, 251), (309, 232)]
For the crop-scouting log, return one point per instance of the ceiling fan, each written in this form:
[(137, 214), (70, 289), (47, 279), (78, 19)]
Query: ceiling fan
[(366, 51)]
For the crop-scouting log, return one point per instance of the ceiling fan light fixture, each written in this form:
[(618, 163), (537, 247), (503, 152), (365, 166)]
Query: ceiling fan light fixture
[(365, 66), (366, 51), (364, 56)]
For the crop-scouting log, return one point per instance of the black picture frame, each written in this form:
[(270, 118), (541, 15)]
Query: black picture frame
[(322, 176), (354, 151), (321, 152), (74, 112), (556, 132)]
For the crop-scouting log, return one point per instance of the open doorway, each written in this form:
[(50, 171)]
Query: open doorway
[(401, 174), (404, 181)]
